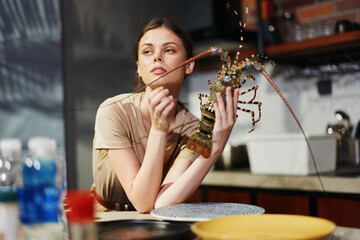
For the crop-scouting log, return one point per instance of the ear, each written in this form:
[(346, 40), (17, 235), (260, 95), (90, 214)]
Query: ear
[(138, 71), (190, 67)]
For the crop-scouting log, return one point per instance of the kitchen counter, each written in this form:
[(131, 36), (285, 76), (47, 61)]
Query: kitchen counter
[(243, 178), (121, 215), (341, 233), (284, 194)]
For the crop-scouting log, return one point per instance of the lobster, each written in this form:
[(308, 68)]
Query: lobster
[(200, 142), (229, 76)]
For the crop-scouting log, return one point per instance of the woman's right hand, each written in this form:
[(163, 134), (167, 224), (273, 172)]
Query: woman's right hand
[(161, 104)]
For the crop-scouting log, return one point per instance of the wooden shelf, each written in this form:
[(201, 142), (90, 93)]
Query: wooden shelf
[(334, 46)]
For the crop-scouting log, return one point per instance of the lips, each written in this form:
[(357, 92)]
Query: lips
[(158, 70)]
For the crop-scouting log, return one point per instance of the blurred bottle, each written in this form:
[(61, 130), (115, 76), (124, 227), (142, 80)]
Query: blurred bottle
[(287, 27), (270, 25), (62, 182), (10, 162), (10, 179), (9, 214), (80, 204), (40, 195)]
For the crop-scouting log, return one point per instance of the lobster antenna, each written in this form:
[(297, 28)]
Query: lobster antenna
[(272, 62), (241, 25), (242, 28)]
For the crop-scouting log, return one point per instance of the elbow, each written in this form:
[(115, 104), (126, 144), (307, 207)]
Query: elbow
[(159, 204), (144, 210), (144, 207)]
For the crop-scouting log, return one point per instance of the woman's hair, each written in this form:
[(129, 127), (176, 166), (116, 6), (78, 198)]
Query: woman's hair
[(158, 22)]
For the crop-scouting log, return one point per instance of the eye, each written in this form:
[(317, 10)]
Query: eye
[(170, 50), (147, 52)]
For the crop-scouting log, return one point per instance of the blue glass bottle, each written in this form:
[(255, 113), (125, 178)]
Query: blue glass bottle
[(39, 197)]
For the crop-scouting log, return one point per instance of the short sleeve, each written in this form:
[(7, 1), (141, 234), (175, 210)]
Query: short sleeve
[(110, 126)]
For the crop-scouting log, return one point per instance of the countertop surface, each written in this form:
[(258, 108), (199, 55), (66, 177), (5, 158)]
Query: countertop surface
[(341, 233), (243, 178)]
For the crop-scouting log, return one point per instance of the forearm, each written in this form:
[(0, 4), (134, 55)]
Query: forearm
[(185, 185), (189, 179), (147, 182)]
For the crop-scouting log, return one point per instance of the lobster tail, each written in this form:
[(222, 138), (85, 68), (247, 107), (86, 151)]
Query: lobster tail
[(201, 141)]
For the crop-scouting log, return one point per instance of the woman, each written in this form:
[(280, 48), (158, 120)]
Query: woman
[(139, 157)]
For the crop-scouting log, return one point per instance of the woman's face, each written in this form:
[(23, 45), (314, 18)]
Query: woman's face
[(160, 50)]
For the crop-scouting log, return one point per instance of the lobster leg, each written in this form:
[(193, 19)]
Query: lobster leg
[(246, 78), (255, 88), (252, 117), (209, 83), (200, 96), (251, 113)]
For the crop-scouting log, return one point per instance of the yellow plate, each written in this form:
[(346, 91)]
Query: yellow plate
[(264, 227)]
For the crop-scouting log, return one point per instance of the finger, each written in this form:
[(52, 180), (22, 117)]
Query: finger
[(163, 104), (168, 109), (152, 97), (221, 107), (154, 92), (159, 97), (218, 118), (229, 104), (220, 102), (235, 102)]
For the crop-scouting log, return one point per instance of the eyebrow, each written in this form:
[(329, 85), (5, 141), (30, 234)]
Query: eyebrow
[(164, 44)]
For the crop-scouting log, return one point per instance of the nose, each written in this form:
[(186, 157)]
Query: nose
[(158, 59)]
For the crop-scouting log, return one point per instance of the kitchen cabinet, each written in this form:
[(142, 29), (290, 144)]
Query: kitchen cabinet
[(303, 195), (220, 195), (345, 212), (273, 203), (343, 209), (283, 203)]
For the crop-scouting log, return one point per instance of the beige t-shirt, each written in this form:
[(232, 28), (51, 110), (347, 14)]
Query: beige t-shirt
[(119, 124)]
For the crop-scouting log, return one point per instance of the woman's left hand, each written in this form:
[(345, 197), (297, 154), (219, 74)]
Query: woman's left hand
[(225, 118)]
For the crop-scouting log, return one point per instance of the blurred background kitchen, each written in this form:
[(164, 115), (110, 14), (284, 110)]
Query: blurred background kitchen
[(60, 59)]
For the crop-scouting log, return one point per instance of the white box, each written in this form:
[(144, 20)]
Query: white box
[(289, 154)]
